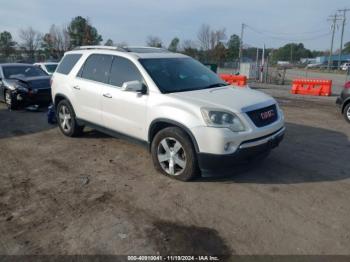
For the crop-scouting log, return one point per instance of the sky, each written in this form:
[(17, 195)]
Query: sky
[(270, 22)]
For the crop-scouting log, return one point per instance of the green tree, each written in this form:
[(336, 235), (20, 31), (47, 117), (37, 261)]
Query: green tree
[(109, 42), (347, 48), (189, 48), (81, 32), (173, 46), (292, 52), (219, 54), (7, 45), (233, 47)]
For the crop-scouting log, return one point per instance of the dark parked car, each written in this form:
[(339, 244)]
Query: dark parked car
[(343, 101), (23, 84)]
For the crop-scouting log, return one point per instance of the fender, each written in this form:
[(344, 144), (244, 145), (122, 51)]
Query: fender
[(62, 95), (346, 101), (173, 123)]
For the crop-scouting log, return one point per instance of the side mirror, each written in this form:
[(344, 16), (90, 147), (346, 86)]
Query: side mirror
[(133, 86)]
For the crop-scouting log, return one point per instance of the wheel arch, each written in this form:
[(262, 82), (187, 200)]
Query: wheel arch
[(346, 102), (161, 123), (59, 97)]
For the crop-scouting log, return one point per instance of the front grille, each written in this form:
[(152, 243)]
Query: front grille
[(264, 116)]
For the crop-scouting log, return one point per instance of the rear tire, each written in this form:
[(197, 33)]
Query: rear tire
[(347, 113), (173, 154), (66, 119)]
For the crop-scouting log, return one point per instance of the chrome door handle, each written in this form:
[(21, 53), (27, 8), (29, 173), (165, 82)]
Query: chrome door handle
[(76, 87), (107, 95)]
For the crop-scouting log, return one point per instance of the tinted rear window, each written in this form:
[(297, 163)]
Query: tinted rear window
[(68, 63), (97, 68)]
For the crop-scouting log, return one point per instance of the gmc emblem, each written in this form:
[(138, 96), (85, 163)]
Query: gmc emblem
[(267, 114)]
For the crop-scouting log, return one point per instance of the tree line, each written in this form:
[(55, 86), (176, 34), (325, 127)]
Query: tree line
[(210, 46), (34, 45)]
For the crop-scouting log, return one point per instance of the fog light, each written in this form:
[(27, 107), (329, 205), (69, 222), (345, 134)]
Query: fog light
[(227, 146)]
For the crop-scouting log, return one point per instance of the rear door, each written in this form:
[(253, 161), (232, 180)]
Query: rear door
[(124, 111), (88, 87)]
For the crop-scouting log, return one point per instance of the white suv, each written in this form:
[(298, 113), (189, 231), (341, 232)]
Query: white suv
[(190, 119)]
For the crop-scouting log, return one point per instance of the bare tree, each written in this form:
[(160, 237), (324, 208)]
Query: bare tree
[(30, 40), (65, 39), (216, 37), (56, 42), (188, 44), (154, 41), (204, 36)]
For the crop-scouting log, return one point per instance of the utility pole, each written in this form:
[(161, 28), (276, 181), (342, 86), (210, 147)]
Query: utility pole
[(257, 63), (262, 65), (334, 19), (241, 45), (342, 33), (291, 53)]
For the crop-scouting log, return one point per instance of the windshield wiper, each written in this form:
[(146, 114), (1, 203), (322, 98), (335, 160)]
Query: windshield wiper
[(215, 85)]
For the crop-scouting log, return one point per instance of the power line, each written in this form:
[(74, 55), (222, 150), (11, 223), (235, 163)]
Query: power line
[(288, 39), (283, 33)]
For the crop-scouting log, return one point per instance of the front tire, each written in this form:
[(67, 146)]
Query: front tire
[(347, 113), (10, 100), (173, 154), (66, 119)]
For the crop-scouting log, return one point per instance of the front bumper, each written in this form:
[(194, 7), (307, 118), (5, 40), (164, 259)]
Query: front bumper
[(23, 98), (246, 151)]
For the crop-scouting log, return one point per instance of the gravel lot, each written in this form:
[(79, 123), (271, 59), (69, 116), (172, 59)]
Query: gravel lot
[(101, 195)]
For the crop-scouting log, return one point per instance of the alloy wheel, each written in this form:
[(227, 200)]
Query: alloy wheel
[(348, 113), (171, 156), (65, 118)]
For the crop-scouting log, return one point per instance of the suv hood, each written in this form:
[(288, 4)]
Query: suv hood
[(235, 99)]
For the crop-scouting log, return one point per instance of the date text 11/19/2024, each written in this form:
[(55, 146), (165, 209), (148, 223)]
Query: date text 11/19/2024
[(173, 258)]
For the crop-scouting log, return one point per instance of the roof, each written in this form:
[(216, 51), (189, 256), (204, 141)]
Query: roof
[(46, 63), (135, 52), (16, 64)]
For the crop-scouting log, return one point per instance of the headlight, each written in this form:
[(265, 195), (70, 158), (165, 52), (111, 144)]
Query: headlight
[(22, 88), (221, 118)]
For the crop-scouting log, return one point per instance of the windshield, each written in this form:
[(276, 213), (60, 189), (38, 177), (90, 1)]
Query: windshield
[(180, 74), (22, 71), (51, 68)]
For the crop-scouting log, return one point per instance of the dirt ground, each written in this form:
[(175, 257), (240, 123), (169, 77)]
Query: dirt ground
[(100, 195)]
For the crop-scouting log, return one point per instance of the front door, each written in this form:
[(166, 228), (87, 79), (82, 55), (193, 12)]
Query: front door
[(124, 111)]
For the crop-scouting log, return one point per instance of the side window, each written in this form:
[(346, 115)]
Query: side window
[(67, 63), (96, 67), (123, 70)]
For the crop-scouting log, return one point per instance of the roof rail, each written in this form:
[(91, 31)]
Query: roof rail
[(145, 49), (101, 47)]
